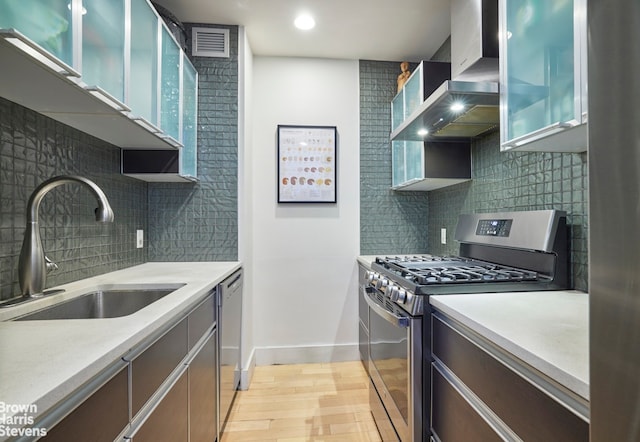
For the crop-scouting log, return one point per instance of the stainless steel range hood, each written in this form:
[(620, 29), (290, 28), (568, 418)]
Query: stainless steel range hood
[(468, 105), (457, 109)]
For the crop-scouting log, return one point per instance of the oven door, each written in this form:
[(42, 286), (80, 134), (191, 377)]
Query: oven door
[(395, 346)]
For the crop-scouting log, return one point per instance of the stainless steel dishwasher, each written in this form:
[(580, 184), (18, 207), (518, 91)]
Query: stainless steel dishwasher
[(229, 329)]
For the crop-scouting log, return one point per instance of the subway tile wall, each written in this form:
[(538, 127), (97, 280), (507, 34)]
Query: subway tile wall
[(390, 222), (506, 181), (199, 222), (34, 148)]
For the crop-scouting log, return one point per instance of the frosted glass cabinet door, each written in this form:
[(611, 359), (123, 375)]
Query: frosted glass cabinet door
[(414, 156), (143, 76), (170, 86), (397, 110), (189, 118), (541, 73), (103, 45), (398, 171), (47, 23), (413, 93)]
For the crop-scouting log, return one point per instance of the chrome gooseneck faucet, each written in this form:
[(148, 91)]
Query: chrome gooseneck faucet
[(33, 265)]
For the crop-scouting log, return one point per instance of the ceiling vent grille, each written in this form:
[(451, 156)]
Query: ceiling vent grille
[(210, 42)]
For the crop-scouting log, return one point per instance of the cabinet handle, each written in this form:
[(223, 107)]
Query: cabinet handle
[(398, 321), (541, 133), (28, 46), (106, 98)]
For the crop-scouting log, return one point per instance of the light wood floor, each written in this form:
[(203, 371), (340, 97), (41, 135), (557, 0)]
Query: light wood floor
[(306, 402)]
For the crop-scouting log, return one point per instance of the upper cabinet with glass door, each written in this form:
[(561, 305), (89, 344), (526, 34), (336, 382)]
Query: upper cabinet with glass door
[(48, 24), (543, 75), (106, 67)]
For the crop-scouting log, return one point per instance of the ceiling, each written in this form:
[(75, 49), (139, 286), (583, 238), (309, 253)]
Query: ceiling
[(391, 30)]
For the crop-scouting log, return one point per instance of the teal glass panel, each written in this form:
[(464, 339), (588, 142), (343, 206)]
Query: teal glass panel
[(189, 118), (103, 45), (414, 157), (397, 111), (397, 159), (47, 23), (540, 64), (170, 86), (413, 92), (143, 76)]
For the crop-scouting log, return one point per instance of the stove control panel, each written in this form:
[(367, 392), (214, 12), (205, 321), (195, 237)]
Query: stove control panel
[(494, 227)]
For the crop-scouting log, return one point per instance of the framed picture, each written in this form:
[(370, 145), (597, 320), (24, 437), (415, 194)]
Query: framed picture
[(307, 162)]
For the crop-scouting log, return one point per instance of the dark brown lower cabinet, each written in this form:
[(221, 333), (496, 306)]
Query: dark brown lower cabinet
[(203, 409), (487, 390), (169, 421), (101, 417), (180, 366), (453, 418)]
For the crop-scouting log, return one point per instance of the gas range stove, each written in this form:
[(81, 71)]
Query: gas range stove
[(499, 252)]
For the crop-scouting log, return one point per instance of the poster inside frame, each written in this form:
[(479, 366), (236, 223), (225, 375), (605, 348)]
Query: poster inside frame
[(307, 163)]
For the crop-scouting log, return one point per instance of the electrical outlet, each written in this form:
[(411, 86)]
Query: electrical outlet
[(139, 239), (443, 235)]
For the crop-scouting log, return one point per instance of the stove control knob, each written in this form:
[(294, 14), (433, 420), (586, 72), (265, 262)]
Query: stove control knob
[(382, 282), (371, 276), (401, 296), (393, 292)]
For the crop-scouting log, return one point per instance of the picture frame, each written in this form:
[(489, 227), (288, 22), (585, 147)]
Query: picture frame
[(307, 164)]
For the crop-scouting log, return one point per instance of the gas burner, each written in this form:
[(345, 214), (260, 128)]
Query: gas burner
[(430, 270)]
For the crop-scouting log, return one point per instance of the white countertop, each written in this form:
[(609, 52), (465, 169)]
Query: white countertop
[(366, 260), (547, 330), (42, 362)]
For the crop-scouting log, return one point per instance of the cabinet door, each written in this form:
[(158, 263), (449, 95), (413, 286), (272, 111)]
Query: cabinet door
[(47, 23), (150, 369), (530, 412), (408, 161), (203, 393), (170, 86), (169, 421), (397, 110), (541, 73), (103, 52), (102, 417), (143, 71), (189, 158)]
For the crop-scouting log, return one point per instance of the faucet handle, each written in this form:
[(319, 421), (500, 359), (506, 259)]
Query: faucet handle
[(51, 266)]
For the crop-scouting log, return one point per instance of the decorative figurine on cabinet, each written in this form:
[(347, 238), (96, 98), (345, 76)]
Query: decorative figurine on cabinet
[(404, 75)]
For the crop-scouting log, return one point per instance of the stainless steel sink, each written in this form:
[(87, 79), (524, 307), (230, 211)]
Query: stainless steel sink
[(102, 303)]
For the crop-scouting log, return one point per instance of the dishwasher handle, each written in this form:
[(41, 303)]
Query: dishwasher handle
[(391, 317)]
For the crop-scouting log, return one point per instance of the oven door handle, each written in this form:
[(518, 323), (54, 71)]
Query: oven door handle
[(398, 321)]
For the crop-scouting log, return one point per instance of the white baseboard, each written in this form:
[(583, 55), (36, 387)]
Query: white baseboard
[(307, 355), (247, 372)]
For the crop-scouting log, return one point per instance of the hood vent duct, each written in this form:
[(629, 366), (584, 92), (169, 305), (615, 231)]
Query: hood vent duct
[(210, 42)]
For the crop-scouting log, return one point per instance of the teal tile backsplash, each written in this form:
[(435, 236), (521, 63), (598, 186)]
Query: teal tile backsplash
[(199, 222), (34, 148), (507, 181), (390, 222)]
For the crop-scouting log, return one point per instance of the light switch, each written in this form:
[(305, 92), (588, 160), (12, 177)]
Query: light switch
[(443, 235)]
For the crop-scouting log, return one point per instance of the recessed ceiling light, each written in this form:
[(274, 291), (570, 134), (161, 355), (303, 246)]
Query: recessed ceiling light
[(304, 22), (423, 132), (457, 107)]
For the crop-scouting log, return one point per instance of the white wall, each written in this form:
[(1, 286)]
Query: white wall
[(303, 256)]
